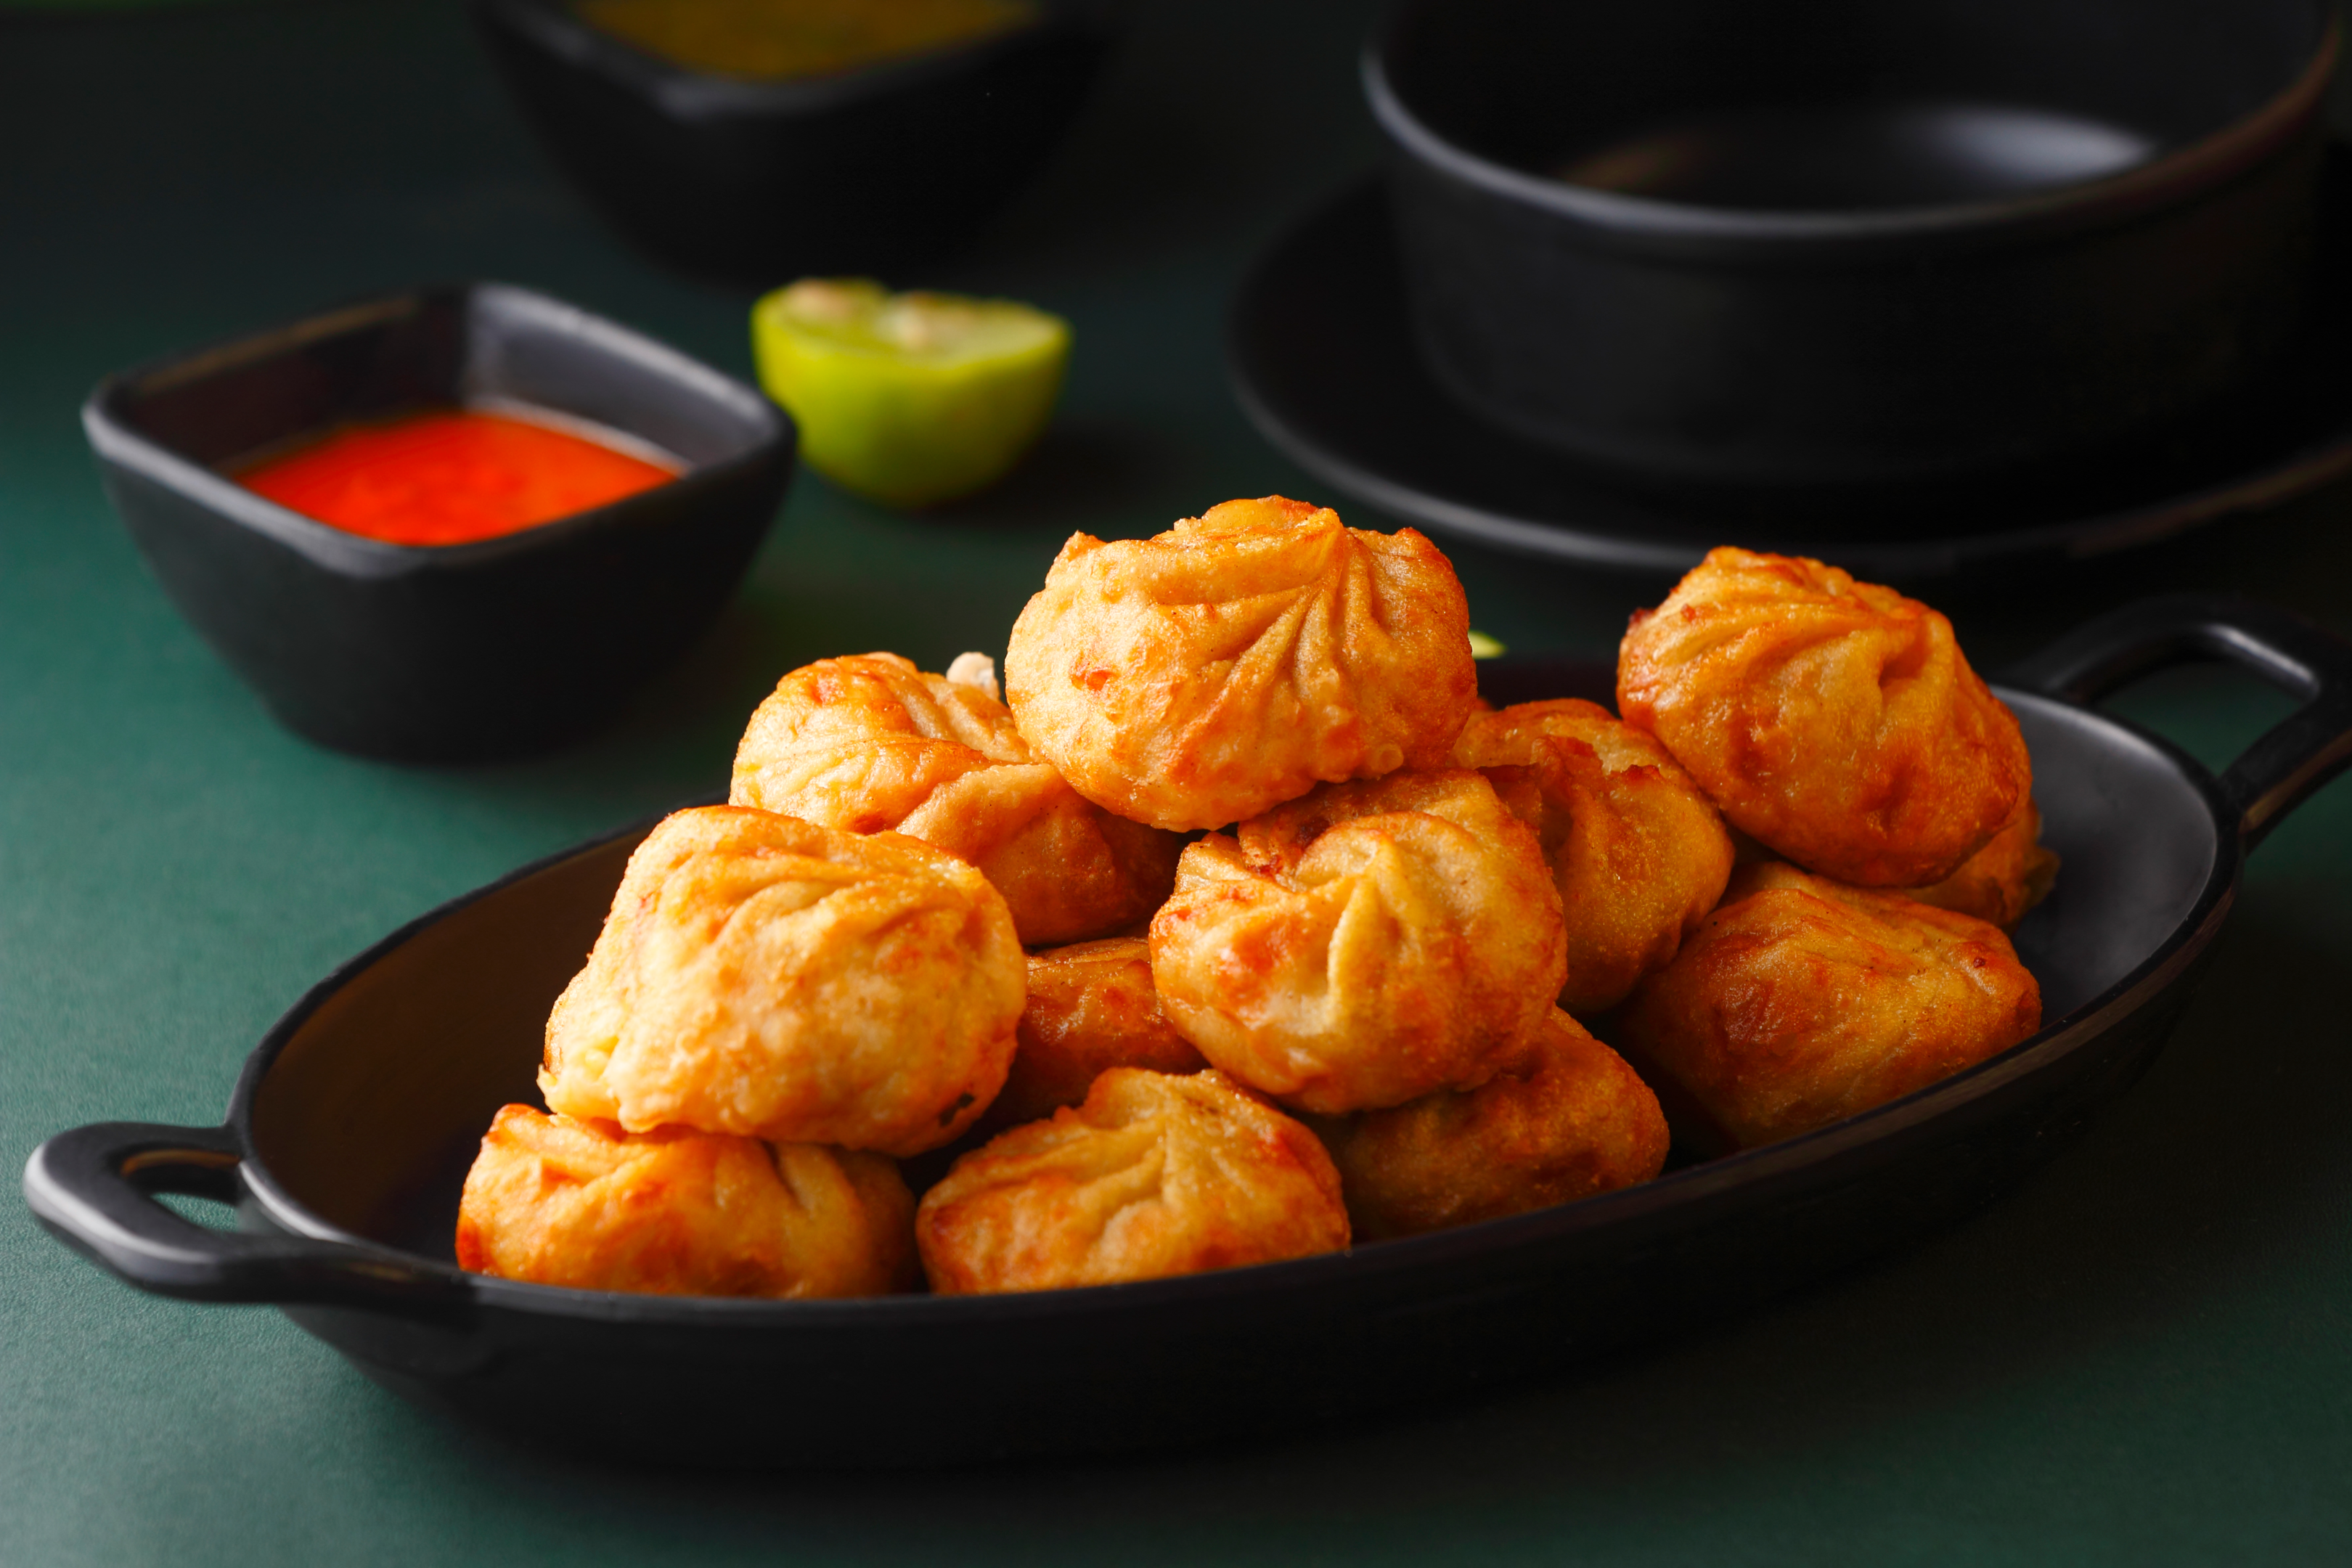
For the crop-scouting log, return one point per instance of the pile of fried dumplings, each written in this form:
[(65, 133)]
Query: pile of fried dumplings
[(1239, 929)]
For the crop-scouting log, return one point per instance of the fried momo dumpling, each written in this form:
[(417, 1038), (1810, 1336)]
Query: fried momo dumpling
[(1801, 1000), (2002, 880), (1365, 945), (765, 976), (871, 743), (1640, 853), (1834, 720), (1091, 1008), (558, 1201), (1155, 1174), (1565, 1119), (1205, 675)]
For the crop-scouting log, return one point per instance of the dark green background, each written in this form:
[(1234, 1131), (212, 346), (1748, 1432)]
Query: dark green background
[(2145, 1357)]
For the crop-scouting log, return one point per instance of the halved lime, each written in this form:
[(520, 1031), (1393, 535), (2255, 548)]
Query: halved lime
[(908, 398)]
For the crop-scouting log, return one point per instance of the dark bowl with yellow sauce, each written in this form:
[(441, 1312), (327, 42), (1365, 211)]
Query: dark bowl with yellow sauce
[(441, 652), (755, 141)]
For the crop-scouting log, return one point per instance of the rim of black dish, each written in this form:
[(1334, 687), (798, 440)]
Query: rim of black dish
[(1793, 1162), (2212, 160), (2302, 471)]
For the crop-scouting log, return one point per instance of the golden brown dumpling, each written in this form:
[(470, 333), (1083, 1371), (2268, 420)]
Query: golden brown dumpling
[(1155, 1174), (1801, 1000), (1640, 853), (558, 1201), (1834, 720), (869, 743), (1202, 675), (765, 976), (2002, 880), (1091, 1008), (1365, 945), (1565, 1119)]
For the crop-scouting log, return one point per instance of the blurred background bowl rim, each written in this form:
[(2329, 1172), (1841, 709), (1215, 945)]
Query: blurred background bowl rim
[(687, 92)]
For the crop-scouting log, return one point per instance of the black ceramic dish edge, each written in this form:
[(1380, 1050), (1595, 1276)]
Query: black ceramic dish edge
[(90, 1187), (1670, 226)]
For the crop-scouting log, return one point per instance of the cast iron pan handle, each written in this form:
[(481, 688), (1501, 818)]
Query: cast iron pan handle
[(93, 1188), (2296, 757)]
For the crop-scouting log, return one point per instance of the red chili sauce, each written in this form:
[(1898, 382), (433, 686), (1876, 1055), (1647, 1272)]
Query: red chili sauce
[(449, 477)]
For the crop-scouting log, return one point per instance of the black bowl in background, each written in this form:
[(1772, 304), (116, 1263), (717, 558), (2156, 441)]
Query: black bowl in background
[(440, 653), (1705, 243), (760, 182)]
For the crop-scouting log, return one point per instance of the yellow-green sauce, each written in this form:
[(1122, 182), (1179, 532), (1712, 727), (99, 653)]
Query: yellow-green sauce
[(772, 39)]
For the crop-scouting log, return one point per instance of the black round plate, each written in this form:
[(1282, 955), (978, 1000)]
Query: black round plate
[(1324, 363)]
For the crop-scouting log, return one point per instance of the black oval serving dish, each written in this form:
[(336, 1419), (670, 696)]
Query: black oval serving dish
[(350, 1132), (1713, 244), (758, 181), (440, 653)]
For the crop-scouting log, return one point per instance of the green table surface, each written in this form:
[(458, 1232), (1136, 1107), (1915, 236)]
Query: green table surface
[(2145, 1355)]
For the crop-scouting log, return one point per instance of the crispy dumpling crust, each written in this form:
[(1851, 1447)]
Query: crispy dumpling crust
[(1836, 722), (765, 976), (558, 1201), (2002, 880), (1091, 1008), (869, 743), (1214, 671), (1639, 852), (1567, 1118), (1155, 1174), (1802, 1000), (1365, 945)]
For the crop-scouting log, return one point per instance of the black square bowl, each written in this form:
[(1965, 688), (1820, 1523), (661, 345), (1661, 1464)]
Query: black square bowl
[(758, 181), (440, 653)]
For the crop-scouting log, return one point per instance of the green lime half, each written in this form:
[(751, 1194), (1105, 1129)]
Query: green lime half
[(908, 398)]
